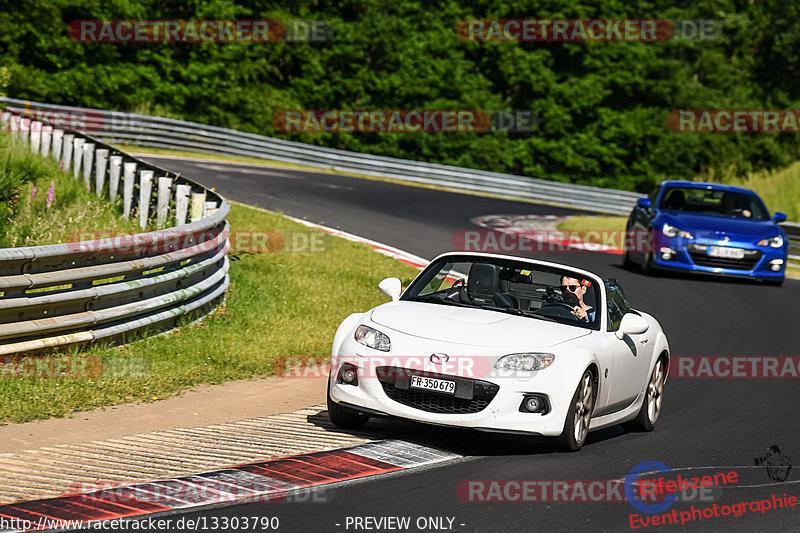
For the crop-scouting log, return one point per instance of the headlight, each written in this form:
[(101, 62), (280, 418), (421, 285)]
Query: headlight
[(372, 338), (525, 361), (775, 242), (671, 231)]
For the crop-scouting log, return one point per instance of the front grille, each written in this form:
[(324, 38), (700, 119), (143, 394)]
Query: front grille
[(748, 262), (482, 393)]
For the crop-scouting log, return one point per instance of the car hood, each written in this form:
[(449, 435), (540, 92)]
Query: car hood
[(710, 226), (476, 327)]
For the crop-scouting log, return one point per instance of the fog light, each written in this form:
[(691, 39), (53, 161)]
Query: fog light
[(534, 404), (348, 374), (775, 265), (667, 253)]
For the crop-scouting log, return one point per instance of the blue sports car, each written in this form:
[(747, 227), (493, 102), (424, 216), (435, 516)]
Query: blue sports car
[(708, 228)]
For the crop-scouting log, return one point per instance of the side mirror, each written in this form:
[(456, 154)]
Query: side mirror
[(631, 324), (391, 287), (779, 217), (644, 203)]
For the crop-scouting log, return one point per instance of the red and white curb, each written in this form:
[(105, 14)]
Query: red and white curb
[(269, 482), (395, 253)]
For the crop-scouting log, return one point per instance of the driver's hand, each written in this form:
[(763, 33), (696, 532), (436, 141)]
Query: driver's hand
[(579, 312)]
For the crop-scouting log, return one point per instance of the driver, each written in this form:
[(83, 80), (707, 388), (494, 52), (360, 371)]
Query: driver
[(730, 205), (572, 292)]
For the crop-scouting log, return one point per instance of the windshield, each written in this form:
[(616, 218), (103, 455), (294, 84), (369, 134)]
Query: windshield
[(714, 202), (506, 286)]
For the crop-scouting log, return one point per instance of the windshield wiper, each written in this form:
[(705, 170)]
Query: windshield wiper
[(437, 301), (518, 312)]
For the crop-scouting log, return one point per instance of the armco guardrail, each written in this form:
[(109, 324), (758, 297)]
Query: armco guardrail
[(62, 294), (792, 230), (115, 127)]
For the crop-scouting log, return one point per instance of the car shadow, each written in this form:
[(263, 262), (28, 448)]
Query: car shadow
[(465, 442), (688, 276)]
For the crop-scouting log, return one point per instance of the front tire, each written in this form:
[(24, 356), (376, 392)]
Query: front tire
[(342, 416), (651, 407), (576, 426)]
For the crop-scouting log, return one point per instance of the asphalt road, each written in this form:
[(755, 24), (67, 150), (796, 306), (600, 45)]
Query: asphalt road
[(706, 426)]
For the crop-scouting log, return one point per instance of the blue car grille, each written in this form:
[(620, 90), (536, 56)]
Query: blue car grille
[(701, 258)]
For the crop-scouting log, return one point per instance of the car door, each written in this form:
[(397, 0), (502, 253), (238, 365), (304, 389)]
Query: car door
[(631, 355)]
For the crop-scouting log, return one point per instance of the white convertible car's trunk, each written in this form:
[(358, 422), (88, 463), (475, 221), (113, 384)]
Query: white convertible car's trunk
[(477, 327)]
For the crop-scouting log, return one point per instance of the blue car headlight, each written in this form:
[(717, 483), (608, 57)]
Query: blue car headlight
[(373, 338), (673, 231), (775, 242)]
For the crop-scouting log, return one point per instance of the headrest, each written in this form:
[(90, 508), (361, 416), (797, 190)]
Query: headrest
[(482, 279)]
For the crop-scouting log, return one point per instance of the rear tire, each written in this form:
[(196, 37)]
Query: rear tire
[(342, 416), (651, 406), (576, 426)]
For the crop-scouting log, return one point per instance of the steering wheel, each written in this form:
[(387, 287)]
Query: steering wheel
[(557, 309), (460, 283)]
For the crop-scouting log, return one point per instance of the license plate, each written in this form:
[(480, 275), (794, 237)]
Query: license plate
[(729, 253), (433, 384)]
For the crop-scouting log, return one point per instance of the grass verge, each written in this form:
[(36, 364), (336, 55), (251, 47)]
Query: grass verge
[(280, 305)]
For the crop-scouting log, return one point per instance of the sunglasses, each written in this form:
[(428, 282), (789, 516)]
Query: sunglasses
[(571, 288)]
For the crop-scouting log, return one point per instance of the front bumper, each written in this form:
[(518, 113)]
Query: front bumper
[(494, 404), (691, 255)]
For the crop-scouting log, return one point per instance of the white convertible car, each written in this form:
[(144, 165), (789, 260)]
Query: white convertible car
[(505, 344)]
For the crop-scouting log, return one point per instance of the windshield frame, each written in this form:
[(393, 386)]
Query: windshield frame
[(665, 190), (411, 293)]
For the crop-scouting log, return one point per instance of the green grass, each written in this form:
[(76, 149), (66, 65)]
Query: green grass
[(280, 305)]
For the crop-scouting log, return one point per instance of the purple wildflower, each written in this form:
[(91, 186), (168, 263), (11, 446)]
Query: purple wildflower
[(51, 192), (33, 192)]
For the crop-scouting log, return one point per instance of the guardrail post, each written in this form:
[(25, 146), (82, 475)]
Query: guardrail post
[(182, 193), (209, 208), (145, 189), (100, 170), (198, 204), (24, 129), (47, 133), (58, 142), (127, 193), (36, 136), (7, 121), (66, 151), (88, 155), (162, 209), (114, 167), (77, 155)]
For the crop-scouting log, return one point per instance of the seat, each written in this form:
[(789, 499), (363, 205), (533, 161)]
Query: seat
[(482, 286)]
